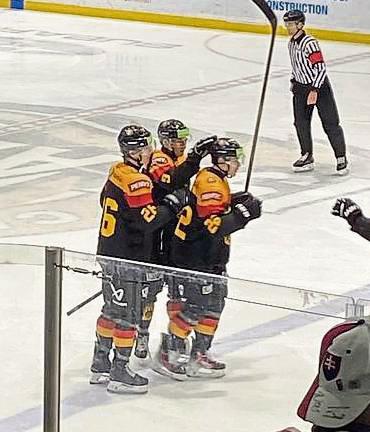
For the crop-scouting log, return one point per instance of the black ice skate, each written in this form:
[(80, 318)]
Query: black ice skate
[(342, 165), (142, 345), (202, 365), (122, 380), (171, 358), (304, 163), (101, 365)]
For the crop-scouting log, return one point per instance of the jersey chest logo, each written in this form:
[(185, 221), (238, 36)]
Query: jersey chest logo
[(206, 196), (139, 184)]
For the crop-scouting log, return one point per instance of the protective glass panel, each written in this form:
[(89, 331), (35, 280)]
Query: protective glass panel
[(268, 336), (21, 336), (363, 307)]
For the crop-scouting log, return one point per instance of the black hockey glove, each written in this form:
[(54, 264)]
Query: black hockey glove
[(202, 147), (346, 209), (177, 200), (240, 197), (249, 209)]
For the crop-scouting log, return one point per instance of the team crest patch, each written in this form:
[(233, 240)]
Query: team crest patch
[(139, 184), (211, 180), (206, 196), (331, 366)]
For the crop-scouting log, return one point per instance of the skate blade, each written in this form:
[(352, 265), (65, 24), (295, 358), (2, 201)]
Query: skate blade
[(122, 388), (308, 167), (205, 374), (342, 172), (99, 378), (165, 372)]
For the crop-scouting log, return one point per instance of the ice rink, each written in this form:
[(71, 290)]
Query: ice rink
[(68, 84)]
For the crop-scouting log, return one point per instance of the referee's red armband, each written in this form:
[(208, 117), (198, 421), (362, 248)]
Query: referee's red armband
[(316, 57)]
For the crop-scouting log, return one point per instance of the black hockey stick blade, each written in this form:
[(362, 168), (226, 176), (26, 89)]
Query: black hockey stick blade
[(85, 302), (264, 7)]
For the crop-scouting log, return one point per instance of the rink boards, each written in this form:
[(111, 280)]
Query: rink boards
[(329, 19)]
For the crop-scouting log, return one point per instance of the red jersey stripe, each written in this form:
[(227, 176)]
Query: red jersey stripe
[(139, 200), (204, 211)]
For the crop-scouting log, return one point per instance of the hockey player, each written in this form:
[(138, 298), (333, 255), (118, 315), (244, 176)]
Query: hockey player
[(201, 243), (128, 222), (352, 213), (169, 169)]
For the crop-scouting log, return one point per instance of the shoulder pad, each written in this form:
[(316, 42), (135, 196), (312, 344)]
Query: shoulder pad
[(212, 193), (161, 158), (129, 180)]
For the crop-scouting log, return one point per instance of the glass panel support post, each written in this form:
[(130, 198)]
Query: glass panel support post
[(52, 338)]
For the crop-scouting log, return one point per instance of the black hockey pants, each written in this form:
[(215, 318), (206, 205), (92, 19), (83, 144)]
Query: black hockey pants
[(328, 114)]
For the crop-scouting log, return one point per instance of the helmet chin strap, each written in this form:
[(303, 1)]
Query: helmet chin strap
[(225, 172), (136, 163), (298, 29)]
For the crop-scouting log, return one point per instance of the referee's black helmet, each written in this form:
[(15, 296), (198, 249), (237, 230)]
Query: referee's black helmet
[(294, 15)]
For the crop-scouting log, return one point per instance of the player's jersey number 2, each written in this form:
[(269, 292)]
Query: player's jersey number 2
[(184, 221)]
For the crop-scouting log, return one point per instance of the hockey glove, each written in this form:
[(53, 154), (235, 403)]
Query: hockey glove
[(240, 197), (249, 209), (346, 209), (177, 200), (202, 147)]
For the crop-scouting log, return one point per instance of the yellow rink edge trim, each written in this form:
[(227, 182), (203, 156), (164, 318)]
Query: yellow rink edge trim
[(5, 4), (188, 21)]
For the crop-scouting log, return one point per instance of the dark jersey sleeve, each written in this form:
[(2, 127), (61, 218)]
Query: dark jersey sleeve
[(148, 218), (230, 223), (167, 176), (361, 225)]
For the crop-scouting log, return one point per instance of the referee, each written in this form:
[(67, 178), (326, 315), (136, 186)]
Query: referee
[(310, 87)]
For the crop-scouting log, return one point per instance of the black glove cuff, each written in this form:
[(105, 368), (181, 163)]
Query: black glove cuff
[(351, 219), (194, 157), (172, 202)]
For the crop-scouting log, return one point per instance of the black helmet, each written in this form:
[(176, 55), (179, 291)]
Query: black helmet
[(226, 147), (134, 137), (172, 128), (294, 15)]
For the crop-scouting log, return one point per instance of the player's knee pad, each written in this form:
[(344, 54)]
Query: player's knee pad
[(124, 336), (181, 325), (207, 325), (105, 327)]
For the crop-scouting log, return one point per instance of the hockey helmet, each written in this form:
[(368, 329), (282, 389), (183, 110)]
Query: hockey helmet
[(134, 137), (226, 148), (172, 129), (294, 15)]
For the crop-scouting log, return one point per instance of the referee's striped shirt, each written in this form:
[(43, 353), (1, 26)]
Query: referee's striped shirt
[(308, 66)]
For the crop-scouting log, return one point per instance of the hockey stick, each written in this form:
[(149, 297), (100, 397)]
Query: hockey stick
[(85, 302), (273, 22)]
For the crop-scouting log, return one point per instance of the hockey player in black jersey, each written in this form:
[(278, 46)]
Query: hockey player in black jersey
[(129, 219), (201, 243), (352, 213), (170, 168)]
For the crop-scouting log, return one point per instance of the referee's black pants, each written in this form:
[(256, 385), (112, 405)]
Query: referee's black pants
[(328, 114)]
